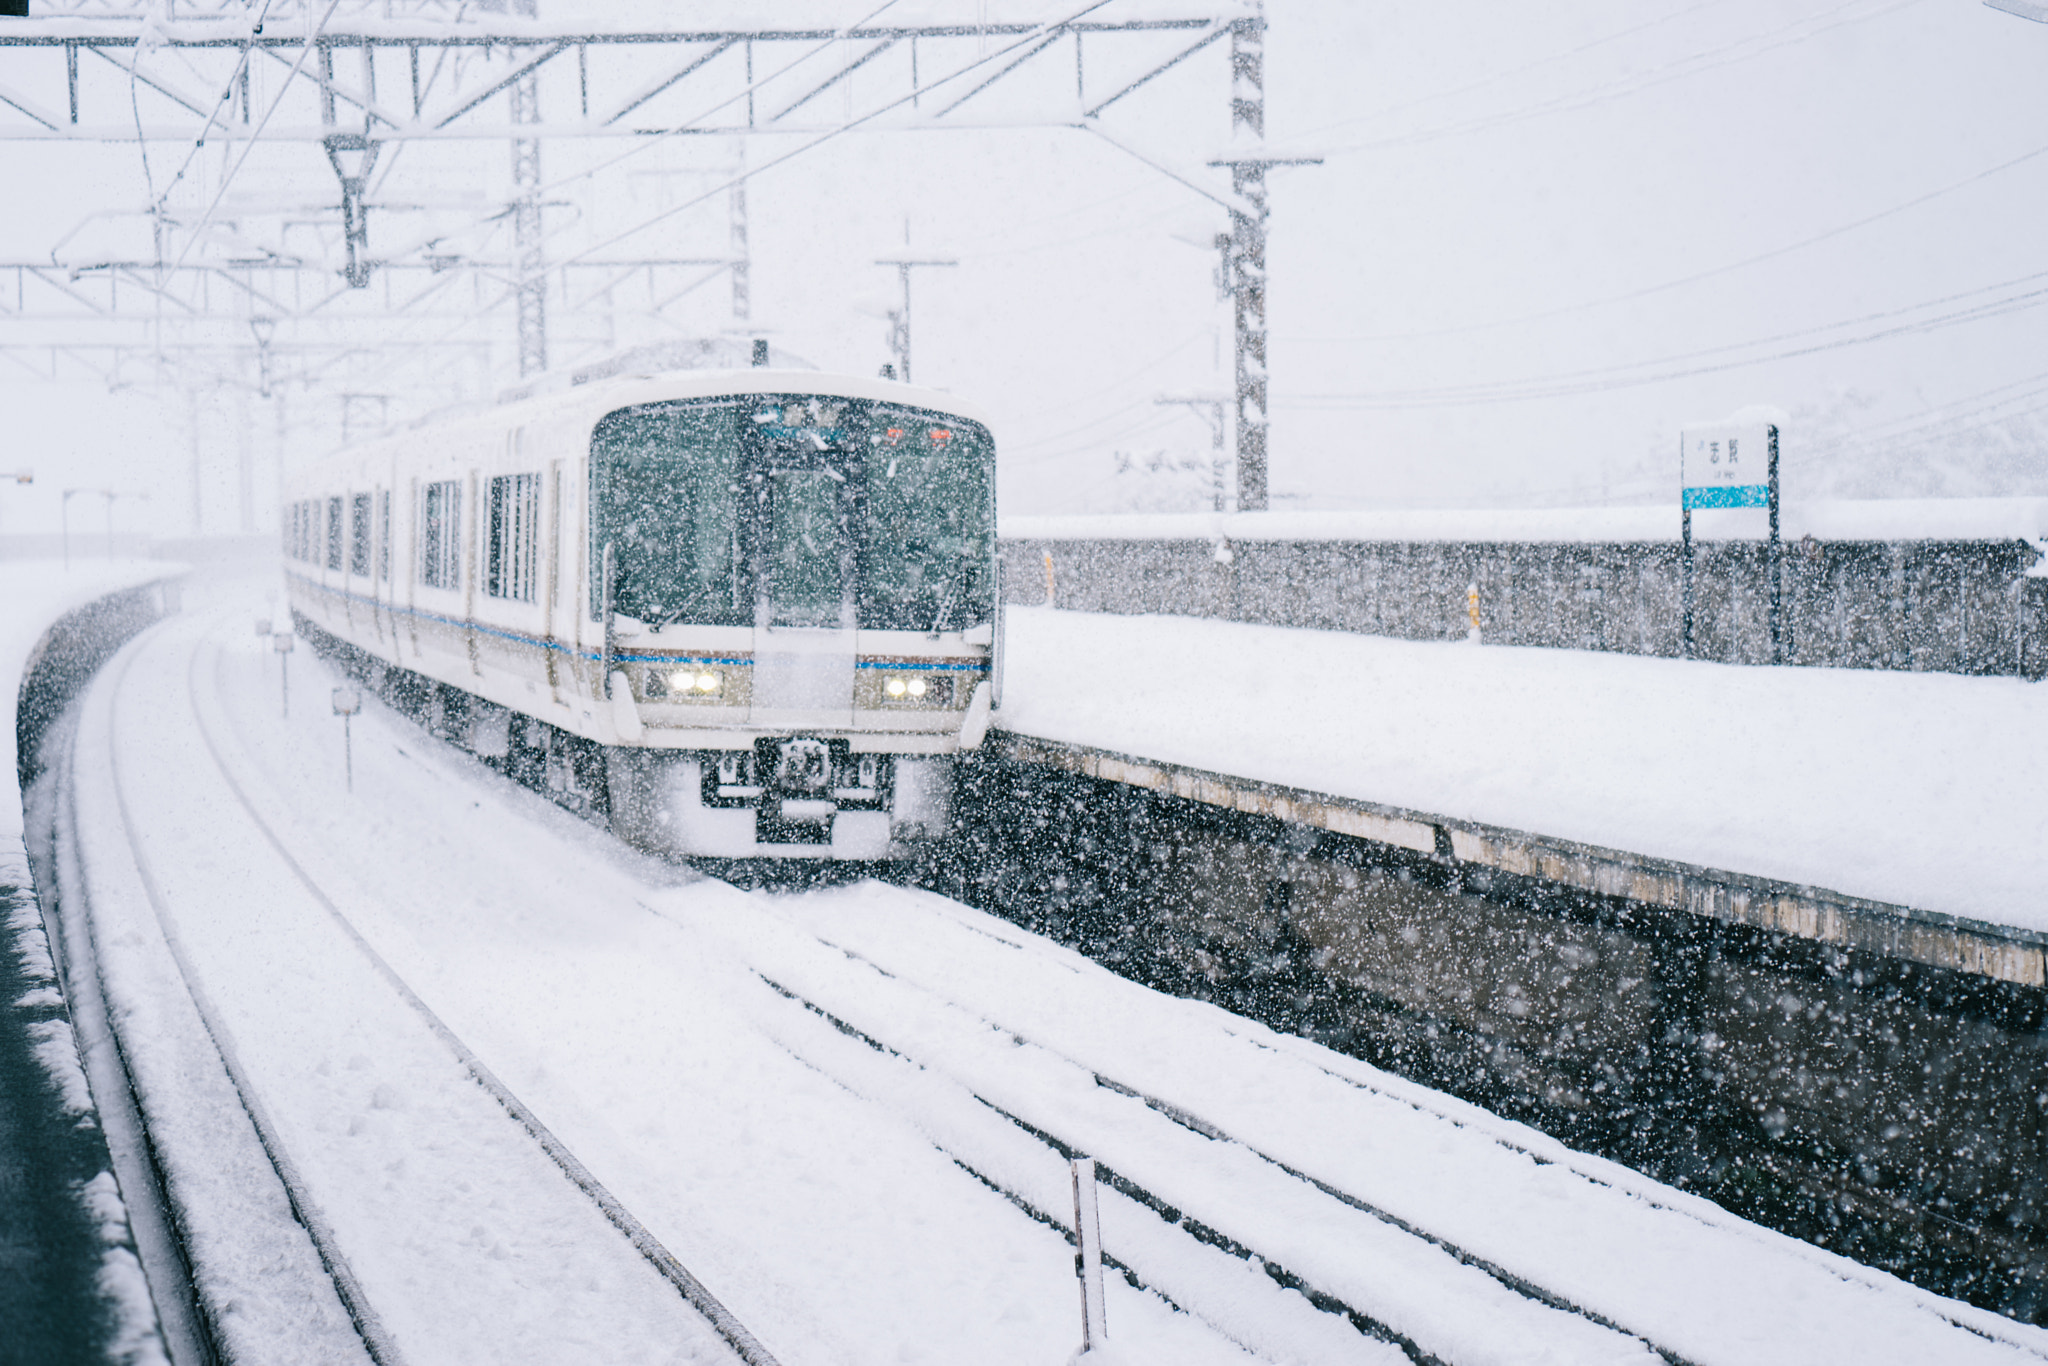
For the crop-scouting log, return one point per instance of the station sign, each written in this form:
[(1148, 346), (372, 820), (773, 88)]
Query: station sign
[(1723, 470), (1725, 467)]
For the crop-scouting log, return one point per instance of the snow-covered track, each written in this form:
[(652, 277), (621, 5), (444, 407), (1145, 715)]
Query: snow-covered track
[(1186, 1220), (645, 1243), (1001, 1025), (153, 844), (849, 1110), (964, 1079), (369, 1326)]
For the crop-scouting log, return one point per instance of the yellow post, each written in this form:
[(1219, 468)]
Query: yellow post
[(1472, 611), (1048, 578)]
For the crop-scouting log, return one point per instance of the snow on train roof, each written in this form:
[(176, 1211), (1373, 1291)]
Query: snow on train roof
[(584, 404), (1898, 519)]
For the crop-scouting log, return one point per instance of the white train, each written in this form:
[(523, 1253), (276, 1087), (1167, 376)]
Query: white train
[(751, 613)]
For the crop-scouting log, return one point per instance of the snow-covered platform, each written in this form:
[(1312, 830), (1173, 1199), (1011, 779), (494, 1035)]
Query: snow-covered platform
[(1897, 813), (847, 1112)]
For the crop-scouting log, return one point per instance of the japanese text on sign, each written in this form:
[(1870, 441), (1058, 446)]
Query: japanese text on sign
[(1726, 467)]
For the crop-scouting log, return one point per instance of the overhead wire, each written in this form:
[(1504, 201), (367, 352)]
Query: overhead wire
[(845, 127), (1697, 276), (1498, 77), (312, 38), (996, 54), (1683, 68), (227, 93), (690, 124), (1594, 380)]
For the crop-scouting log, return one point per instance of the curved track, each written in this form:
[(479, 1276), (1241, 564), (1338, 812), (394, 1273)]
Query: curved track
[(849, 1111)]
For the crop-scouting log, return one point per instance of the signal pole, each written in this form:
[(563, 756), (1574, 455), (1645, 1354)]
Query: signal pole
[(899, 322)]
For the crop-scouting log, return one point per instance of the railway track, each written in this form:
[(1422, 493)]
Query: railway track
[(248, 1084), (1190, 1210), (964, 1043)]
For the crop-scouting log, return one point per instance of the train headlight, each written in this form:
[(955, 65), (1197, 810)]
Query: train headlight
[(701, 682), (917, 687), (895, 687)]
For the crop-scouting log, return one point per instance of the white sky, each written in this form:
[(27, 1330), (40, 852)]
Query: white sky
[(1508, 195)]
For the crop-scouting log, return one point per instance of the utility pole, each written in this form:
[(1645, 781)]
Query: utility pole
[(533, 282), (899, 322), (1246, 253), (526, 239), (742, 283)]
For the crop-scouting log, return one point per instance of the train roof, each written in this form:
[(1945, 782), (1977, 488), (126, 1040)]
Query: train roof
[(582, 405)]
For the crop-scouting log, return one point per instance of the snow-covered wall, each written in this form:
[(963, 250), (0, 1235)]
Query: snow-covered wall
[(1952, 585), (81, 1294)]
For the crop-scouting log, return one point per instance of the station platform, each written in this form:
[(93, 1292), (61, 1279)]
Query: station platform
[(1895, 813)]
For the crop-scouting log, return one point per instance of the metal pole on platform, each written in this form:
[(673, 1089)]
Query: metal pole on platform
[(1684, 561), (1777, 562)]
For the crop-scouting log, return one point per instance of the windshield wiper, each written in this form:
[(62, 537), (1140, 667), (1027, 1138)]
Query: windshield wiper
[(945, 605)]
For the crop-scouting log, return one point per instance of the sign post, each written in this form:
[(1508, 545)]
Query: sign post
[(281, 641), (347, 702), (1730, 467)]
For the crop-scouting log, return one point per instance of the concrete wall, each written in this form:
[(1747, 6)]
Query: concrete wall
[(1961, 606)]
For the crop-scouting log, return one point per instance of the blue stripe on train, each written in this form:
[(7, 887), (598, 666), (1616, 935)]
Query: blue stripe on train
[(521, 638)]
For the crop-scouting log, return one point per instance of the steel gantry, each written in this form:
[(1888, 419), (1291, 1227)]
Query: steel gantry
[(365, 79)]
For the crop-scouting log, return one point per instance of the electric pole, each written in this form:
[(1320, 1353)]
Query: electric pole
[(1245, 255)]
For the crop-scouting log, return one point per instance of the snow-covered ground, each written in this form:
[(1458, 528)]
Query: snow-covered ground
[(844, 1111), (1912, 788)]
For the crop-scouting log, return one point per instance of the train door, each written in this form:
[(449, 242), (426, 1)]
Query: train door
[(804, 610)]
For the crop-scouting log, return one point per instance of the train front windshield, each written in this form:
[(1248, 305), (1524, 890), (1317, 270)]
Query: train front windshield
[(794, 510)]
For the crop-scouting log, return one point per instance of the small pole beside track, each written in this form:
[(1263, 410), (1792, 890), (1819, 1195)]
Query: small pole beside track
[(1088, 1254), (282, 642), (347, 702)]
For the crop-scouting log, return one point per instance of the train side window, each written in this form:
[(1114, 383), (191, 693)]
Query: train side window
[(441, 543), (384, 533), (514, 542), (334, 533), (359, 535)]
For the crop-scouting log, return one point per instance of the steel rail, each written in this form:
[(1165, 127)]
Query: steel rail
[(695, 1292), (155, 1222), (1181, 1217), (377, 1340), (1512, 1280)]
